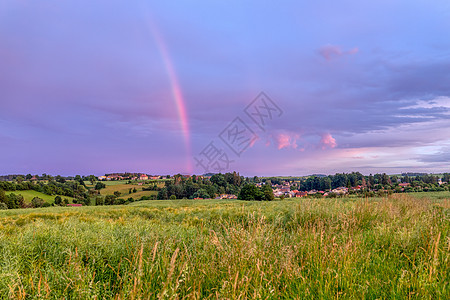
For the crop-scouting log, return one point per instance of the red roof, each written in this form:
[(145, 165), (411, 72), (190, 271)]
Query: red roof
[(74, 204)]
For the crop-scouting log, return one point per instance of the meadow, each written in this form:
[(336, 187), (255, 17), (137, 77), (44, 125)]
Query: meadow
[(28, 195), (395, 247), (123, 188)]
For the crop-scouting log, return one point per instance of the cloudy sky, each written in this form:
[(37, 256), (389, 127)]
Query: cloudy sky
[(90, 87)]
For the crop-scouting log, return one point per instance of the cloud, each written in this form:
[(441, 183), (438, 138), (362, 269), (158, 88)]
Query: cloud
[(327, 141), (331, 51), (286, 140)]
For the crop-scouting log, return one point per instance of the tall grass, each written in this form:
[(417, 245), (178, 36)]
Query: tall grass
[(396, 247)]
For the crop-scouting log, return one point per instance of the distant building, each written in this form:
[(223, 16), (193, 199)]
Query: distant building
[(340, 190), (300, 194), (143, 177)]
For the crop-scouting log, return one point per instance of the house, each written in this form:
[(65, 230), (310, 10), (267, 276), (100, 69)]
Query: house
[(101, 178), (403, 185), (285, 189), (227, 196), (74, 204), (143, 177), (340, 190), (357, 188), (299, 194)]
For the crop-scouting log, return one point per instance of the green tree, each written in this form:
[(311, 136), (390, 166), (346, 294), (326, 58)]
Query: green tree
[(3, 198), (20, 179), (58, 200), (268, 193), (173, 197), (99, 185), (99, 200), (250, 192), (201, 193), (37, 202), (92, 179), (109, 199)]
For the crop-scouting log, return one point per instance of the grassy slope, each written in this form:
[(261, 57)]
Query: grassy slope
[(300, 248), (28, 195), (123, 188)]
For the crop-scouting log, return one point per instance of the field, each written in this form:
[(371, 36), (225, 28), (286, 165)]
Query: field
[(123, 187), (396, 247), (28, 195)]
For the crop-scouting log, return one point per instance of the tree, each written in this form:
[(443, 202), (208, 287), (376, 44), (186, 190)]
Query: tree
[(92, 179), (99, 185), (163, 194), (37, 202), (173, 197), (201, 193), (109, 199), (117, 193), (15, 201), (3, 198), (268, 193), (58, 200), (60, 179), (99, 200), (446, 177), (250, 192)]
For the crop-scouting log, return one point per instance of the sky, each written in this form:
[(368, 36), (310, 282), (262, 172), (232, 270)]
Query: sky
[(260, 87)]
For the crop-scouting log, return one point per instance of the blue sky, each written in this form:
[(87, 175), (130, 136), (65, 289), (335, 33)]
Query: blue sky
[(86, 87)]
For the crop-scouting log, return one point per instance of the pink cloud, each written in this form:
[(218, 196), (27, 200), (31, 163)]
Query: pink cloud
[(331, 51), (286, 140), (328, 141)]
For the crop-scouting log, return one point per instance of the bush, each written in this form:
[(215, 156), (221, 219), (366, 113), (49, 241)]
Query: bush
[(58, 200), (250, 192), (173, 197), (37, 202)]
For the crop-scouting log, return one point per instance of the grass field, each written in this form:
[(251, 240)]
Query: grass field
[(123, 187), (397, 247), (28, 195)]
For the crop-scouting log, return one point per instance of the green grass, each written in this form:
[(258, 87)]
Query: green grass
[(431, 195), (123, 188), (28, 195), (396, 247)]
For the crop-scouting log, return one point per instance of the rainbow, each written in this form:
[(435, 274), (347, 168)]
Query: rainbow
[(176, 93)]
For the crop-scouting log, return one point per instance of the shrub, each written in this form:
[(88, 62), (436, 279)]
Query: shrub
[(37, 202)]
